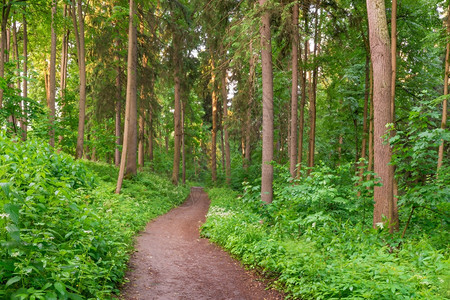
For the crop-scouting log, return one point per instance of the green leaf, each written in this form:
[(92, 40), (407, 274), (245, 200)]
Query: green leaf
[(60, 288), (13, 211), (14, 232), (5, 188), (13, 280)]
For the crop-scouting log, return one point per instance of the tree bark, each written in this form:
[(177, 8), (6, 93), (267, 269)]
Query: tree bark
[(5, 15), (82, 71), (25, 82), (248, 121), (382, 75), (177, 111), (142, 122), (118, 109), (214, 123), (183, 144), (267, 101), (294, 93), (52, 79), (444, 103), (64, 55), (129, 139), (365, 127), (225, 127), (370, 154)]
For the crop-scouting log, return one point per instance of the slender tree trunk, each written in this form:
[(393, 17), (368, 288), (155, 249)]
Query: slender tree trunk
[(444, 103), (382, 70), (370, 154), (225, 127), (365, 127), (248, 116), (25, 82), (142, 122), (267, 95), (393, 81), (5, 15), (64, 55), (150, 133), (294, 93), (130, 117), (118, 110), (183, 143), (52, 79), (214, 124), (82, 72), (177, 112)]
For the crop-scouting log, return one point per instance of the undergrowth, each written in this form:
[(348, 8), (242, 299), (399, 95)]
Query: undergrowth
[(64, 234), (316, 239)]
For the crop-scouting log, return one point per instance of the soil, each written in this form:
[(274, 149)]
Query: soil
[(172, 262)]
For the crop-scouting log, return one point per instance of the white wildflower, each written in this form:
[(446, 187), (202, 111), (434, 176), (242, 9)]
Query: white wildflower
[(380, 225), (87, 231), (4, 216)]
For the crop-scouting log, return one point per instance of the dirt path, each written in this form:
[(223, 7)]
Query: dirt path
[(172, 262)]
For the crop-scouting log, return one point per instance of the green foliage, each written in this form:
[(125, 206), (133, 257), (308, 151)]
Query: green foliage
[(63, 233), (312, 239)]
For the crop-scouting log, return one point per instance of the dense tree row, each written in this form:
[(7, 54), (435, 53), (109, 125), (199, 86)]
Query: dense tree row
[(227, 89)]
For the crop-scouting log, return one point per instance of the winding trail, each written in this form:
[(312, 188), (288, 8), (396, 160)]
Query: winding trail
[(172, 262)]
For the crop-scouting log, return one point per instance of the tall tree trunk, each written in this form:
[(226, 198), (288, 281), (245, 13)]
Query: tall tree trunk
[(393, 81), (183, 144), (118, 110), (52, 79), (382, 73), (177, 111), (225, 127), (370, 150), (312, 94), (303, 99), (294, 93), (444, 103), (25, 82), (142, 122), (214, 123), (129, 140), (248, 115), (365, 127), (267, 101), (5, 16), (64, 55), (150, 131), (82, 71)]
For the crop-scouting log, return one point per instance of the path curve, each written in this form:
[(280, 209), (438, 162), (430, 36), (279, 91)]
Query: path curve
[(172, 262)]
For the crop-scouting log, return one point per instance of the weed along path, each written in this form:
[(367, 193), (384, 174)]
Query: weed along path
[(172, 262)]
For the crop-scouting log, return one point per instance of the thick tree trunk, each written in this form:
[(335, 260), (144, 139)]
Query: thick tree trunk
[(294, 94), (129, 140), (177, 112), (24, 122), (214, 124), (82, 72), (118, 111), (444, 103), (382, 73), (267, 101), (225, 127), (52, 79)]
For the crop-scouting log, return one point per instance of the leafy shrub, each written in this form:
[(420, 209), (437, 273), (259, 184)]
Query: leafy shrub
[(64, 234)]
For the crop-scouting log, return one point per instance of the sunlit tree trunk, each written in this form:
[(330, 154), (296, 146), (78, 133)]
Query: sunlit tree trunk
[(382, 74), (183, 144), (393, 81), (177, 111), (214, 123), (225, 127), (267, 95), (294, 93), (3, 43), (444, 103), (129, 139), (25, 82), (64, 55), (52, 79)]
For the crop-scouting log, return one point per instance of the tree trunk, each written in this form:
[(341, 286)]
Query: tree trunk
[(25, 82), (225, 127), (248, 116), (366, 107), (183, 144), (52, 79), (64, 56), (150, 133), (177, 111), (129, 139), (294, 93), (393, 81), (5, 15), (370, 154), (382, 74), (267, 101), (214, 123), (142, 122), (444, 103), (82, 72), (118, 110)]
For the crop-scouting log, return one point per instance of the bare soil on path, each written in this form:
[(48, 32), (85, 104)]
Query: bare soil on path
[(172, 262)]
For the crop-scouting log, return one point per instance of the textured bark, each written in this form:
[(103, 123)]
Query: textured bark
[(82, 71), (393, 81), (225, 127), (294, 94), (444, 103), (24, 122), (3, 43), (52, 77), (150, 133), (382, 74), (267, 101), (177, 111), (214, 123), (183, 144), (129, 139)]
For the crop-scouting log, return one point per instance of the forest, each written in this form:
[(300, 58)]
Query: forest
[(318, 128)]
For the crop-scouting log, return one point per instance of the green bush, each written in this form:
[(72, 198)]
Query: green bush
[(64, 234), (316, 255)]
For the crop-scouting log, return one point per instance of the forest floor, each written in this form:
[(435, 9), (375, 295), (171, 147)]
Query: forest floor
[(172, 261)]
